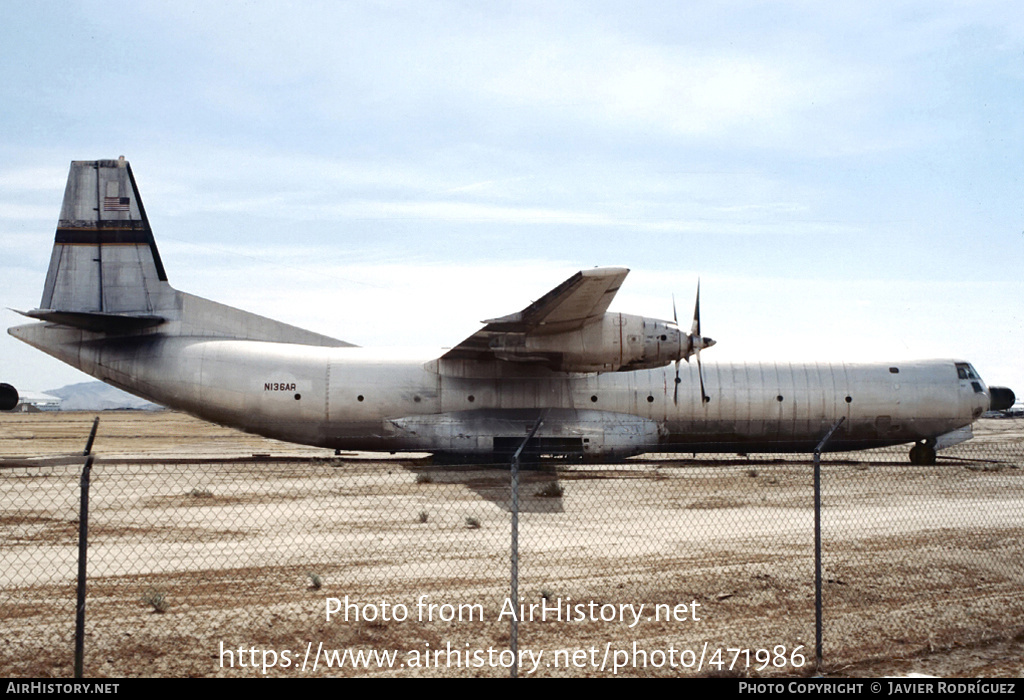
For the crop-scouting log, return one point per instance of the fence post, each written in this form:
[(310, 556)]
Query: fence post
[(83, 547), (513, 636), (817, 542)]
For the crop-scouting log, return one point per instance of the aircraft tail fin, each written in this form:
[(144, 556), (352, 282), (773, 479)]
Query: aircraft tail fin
[(105, 269), (106, 275)]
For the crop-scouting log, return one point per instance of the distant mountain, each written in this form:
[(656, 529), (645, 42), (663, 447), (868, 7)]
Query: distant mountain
[(97, 396)]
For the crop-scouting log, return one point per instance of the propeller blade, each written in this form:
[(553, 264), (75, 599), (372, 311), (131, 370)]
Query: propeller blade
[(675, 392), (695, 328), (695, 342), (700, 373)]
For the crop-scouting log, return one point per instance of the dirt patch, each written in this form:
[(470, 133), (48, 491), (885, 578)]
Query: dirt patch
[(922, 565)]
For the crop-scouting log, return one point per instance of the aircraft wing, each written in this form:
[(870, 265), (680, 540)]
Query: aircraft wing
[(581, 299)]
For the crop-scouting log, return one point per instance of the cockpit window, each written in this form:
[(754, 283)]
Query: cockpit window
[(965, 371)]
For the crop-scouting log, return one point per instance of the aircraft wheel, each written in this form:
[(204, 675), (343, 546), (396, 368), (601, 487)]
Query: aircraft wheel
[(922, 455)]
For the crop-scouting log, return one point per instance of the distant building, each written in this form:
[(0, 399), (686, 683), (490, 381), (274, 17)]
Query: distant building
[(1015, 411), (30, 401)]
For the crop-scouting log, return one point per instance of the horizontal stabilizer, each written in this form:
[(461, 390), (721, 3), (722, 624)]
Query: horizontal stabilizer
[(95, 321)]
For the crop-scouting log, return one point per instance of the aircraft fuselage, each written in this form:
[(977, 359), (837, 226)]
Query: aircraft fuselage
[(403, 400)]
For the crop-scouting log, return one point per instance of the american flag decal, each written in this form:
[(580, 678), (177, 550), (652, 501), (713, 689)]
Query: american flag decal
[(116, 203)]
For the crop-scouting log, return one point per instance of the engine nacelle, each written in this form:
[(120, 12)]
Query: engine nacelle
[(8, 397), (614, 343), (1001, 398)]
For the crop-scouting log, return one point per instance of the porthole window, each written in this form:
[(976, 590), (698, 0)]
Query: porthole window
[(417, 399), (298, 396), (593, 398), (894, 370), (650, 399), (472, 398), (779, 398), (359, 398), (849, 399)]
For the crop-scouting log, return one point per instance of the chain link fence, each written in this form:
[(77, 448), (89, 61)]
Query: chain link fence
[(666, 565)]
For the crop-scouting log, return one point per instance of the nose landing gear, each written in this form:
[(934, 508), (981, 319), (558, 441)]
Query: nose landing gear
[(922, 454)]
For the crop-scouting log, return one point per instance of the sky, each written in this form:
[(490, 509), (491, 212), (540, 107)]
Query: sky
[(845, 180)]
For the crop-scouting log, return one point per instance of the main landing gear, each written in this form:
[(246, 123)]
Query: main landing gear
[(922, 454)]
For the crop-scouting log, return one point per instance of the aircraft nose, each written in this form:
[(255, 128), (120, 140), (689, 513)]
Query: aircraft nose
[(1000, 398), (708, 342)]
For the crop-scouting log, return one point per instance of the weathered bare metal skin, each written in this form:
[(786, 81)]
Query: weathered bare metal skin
[(620, 399)]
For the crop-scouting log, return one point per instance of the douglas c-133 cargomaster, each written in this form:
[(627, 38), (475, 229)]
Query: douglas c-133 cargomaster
[(609, 385)]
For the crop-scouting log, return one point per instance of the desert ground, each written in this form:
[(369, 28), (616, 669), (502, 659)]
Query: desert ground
[(216, 553)]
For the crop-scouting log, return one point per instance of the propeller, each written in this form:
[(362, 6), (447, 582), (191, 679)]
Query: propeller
[(695, 343)]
